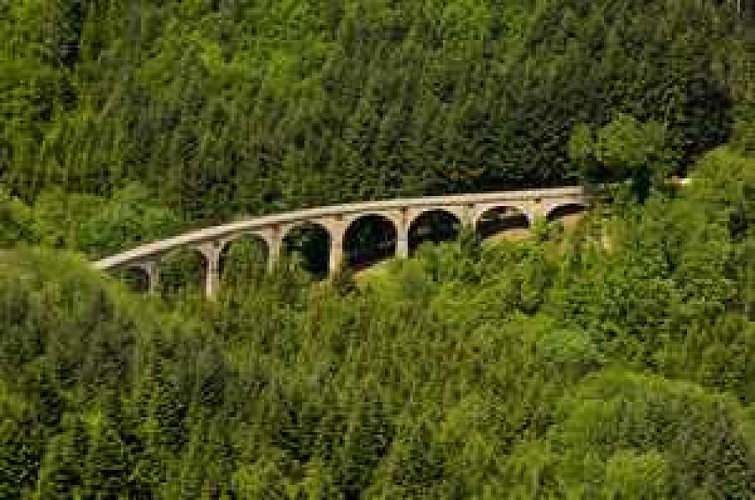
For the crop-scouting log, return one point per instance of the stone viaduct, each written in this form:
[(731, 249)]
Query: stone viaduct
[(402, 214)]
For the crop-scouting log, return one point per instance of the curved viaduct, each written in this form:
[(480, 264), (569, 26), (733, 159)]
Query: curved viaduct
[(336, 220)]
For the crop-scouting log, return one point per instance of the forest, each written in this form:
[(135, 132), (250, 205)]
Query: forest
[(612, 358)]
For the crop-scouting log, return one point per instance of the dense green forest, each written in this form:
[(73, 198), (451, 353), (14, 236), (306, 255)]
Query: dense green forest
[(614, 361), (610, 360), (228, 107)]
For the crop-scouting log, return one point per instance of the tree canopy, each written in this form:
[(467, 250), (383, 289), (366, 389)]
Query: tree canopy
[(608, 359), (224, 108)]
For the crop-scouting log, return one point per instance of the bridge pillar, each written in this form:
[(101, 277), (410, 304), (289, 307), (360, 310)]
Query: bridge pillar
[(274, 244), (152, 269), (337, 233), (534, 210), (212, 279), (402, 244), (401, 221), (211, 253), (468, 216)]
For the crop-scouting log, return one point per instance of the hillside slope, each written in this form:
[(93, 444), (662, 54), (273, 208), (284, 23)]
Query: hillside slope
[(547, 368)]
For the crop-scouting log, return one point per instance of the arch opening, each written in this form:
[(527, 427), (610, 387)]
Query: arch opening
[(569, 213), (182, 272), (135, 278), (244, 259), (504, 222), (368, 240), (434, 226), (310, 243)]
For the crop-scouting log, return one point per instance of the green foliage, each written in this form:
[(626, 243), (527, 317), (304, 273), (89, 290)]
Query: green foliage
[(16, 221), (637, 475), (570, 347), (624, 149), (629, 425), (229, 108), (91, 224), (244, 261), (743, 136), (546, 230), (612, 361)]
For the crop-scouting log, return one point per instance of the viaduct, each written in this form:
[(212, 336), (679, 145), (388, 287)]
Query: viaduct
[(403, 215)]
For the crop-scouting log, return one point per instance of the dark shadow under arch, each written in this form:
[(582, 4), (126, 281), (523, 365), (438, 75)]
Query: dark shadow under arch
[(369, 240), (182, 271), (433, 226), (244, 258), (135, 278), (311, 243), (500, 221), (568, 210)]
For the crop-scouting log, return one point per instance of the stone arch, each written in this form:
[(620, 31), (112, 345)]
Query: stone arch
[(183, 270), (568, 212), (460, 213), (502, 220), (310, 240), (433, 225), (134, 276), (368, 239), (243, 256)]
